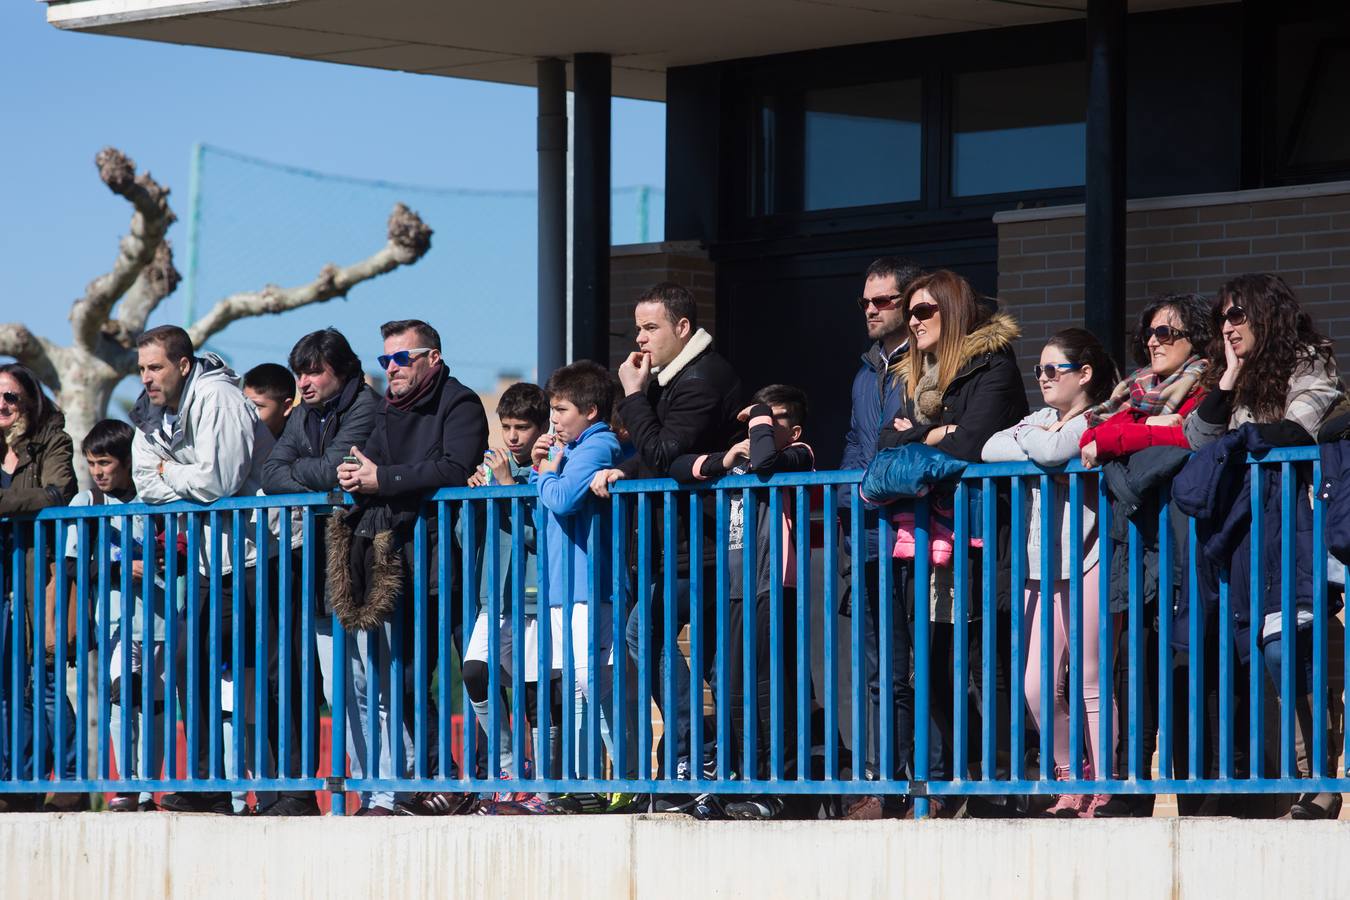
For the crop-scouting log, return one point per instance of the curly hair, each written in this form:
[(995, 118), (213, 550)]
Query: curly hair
[(1197, 320), (1285, 343)]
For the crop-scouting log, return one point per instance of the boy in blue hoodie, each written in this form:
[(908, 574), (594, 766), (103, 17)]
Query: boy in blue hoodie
[(581, 397)]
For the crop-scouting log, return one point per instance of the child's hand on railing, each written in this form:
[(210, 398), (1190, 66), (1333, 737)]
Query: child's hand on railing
[(739, 451), (1089, 455), (602, 480)]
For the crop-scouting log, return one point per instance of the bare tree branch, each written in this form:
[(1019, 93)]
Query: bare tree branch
[(136, 250), (409, 239), (157, 280), (34, 352)]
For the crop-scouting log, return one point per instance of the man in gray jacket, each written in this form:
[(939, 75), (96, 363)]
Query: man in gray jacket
[(199, 439), (337, 412)]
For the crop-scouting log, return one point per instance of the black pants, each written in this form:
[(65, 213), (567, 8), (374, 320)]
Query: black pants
[(762, 700), (901, 601), (943, 695)]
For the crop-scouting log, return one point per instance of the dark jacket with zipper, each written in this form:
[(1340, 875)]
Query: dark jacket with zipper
[(689, 407), (299, 464), (315, 440), (1215, 489), (435, 443), (877, 396)]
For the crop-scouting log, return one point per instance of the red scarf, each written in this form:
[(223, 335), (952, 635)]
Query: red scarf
[(419, 390)]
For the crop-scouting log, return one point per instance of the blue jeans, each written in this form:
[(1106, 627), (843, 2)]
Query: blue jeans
[(15, 760)]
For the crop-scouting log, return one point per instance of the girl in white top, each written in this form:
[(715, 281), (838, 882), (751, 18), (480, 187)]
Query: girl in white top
[(1074, 373)]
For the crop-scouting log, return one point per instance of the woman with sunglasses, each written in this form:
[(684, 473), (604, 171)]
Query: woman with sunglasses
[(36, 471), (1147, 408), (962, 386), (1275, 373), (1075, 372), (1145, 412)]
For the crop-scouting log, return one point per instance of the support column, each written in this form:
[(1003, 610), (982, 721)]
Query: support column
[(590, 206), (552, 147), (1104, 252)]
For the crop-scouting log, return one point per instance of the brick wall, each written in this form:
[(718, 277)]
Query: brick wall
[(1179, 244), (636, 267)]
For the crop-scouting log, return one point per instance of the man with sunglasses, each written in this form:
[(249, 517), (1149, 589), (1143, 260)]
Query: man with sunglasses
[(878, 394), (430, 432)]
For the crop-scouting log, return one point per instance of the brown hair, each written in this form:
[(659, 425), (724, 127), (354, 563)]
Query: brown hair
[(956, 305)]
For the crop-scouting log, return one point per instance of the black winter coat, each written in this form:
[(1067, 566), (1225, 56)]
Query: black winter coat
[(296, 465), (986, 396), (690, 407)]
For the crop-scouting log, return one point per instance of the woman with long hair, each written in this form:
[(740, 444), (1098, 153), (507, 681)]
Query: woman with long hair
[(36, 471), (1074, 373), (962, 386), (1274, 373)]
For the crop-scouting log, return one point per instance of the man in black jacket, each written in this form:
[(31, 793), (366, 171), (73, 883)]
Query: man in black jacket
[(430, 432), (337, 412), (680, 397)]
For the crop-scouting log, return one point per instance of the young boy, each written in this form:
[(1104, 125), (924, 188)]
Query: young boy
[(581, 397), (107, 451), (522, 413), (775, 420), (271, 388)]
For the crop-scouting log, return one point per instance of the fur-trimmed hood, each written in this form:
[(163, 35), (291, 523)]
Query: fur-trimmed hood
[(993, 335)]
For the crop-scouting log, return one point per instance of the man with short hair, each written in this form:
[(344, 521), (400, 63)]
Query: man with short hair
[(430, 432), (878, 394), (680, 397), (198, 438), (337, 411)]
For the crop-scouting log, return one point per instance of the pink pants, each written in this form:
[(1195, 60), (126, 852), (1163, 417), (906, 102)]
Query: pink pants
[(1035, 680)]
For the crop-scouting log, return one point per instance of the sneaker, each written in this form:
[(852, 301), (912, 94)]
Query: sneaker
[(437, 803), (293, 805), (708, 808), (375, 811), (1125, 806), (768, 806), (215, 802), (581, 803), (67, 803), (1095, 802), (627, 803), (125, 803), (862, 809)]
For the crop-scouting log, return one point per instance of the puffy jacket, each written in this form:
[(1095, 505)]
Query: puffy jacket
[(877, 396), (1214, 488), (215, 449)]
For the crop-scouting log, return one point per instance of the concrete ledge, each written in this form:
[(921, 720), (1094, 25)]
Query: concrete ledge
[(112, 856), (1181, 201)]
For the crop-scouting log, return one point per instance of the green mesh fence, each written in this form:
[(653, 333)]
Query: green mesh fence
[(253, 222)]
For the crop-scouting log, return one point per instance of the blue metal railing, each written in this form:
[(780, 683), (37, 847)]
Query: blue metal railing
[(806, 732)]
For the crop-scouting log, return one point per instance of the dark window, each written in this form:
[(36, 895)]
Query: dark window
[(840, 147), (1312, 97), (862, 145), (1018, 130)]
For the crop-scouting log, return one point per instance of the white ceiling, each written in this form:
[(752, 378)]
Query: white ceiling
[(501, 40)]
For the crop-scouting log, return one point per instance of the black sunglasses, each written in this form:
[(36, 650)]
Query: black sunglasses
[(922, 311), (885, 301), (1165, 334), (1051, 370), (10, 397), (1233, 315)]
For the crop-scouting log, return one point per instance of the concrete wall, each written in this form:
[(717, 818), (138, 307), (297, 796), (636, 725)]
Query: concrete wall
[(1182, 244), (160, 855)]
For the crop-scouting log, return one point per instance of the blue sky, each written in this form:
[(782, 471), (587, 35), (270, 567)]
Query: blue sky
[(63, 96)]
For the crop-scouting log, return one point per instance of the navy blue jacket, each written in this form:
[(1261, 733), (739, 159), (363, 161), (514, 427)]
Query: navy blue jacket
[(877, 397), (1214, 488)]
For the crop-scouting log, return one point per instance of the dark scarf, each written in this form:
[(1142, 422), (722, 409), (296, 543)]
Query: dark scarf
[(315, 417), (419, 391)]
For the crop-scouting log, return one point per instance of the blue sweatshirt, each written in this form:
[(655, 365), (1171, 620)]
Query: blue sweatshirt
[(565, 513)]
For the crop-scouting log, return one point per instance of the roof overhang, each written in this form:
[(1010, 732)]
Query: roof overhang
[(501, 41)]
